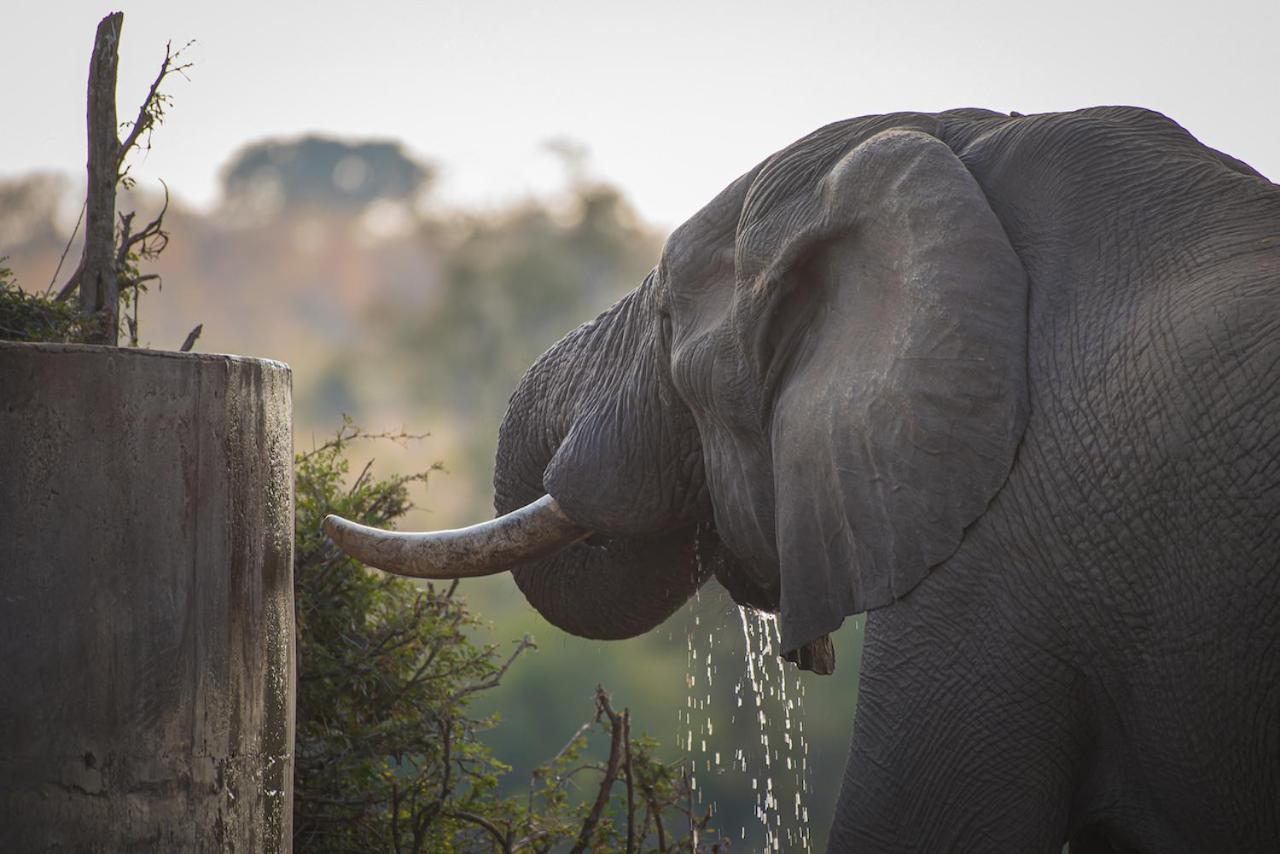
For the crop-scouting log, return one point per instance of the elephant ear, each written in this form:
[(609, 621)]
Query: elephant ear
[(890, 335)]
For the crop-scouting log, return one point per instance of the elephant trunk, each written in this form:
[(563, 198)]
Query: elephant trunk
[(593, 424), (614, 589)]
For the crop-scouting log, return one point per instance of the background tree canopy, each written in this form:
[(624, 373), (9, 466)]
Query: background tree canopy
[(322, 172)]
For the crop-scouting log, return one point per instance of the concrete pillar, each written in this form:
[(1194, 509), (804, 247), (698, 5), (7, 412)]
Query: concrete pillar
[(146, 601)]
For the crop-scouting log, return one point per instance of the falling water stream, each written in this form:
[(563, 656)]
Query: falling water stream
[(772, 766)]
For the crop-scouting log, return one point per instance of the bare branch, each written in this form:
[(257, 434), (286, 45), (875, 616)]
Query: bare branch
[(610, 774), (152, 231), (693, 822), (347, 436), (568, 744), (137, 281), (631, 797), (656, 811), (503, 841), (126, 223), (528, 840), (192, 336), (152, 109), (74, 281), (493, 681), (359, 481), (395, 817)]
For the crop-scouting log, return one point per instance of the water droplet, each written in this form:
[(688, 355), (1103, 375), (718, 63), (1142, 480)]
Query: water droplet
[(777, 769)]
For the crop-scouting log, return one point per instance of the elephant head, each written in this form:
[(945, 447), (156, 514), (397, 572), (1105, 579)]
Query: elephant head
[(816, 390)]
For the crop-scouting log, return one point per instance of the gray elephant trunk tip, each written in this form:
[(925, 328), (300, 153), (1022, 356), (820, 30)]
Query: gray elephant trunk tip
[(536, 530)]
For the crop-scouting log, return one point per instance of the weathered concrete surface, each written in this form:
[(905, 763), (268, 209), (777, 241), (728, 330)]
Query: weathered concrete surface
[(146, 601)]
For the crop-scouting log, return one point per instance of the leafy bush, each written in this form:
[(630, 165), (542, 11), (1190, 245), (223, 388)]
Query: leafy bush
[(33, 317), (387, 756)]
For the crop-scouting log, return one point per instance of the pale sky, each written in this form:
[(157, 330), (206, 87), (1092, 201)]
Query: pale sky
[(672, 99)]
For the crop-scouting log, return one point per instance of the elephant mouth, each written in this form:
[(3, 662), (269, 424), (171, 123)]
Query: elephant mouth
[(537, 530)]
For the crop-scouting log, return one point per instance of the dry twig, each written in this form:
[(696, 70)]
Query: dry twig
[(617, 732), (106, 263), (191, 338)]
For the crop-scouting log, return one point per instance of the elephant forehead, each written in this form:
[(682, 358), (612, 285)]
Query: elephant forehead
[(698, 253)]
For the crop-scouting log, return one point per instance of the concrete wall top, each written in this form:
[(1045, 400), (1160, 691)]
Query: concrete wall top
[(146, 600)]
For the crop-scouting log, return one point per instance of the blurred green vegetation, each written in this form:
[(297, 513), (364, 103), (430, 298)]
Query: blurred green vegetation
[(388, 755), (406, 315), (510, 286)]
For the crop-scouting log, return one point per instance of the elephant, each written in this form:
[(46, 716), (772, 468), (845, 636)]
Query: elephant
[(1007, 384)]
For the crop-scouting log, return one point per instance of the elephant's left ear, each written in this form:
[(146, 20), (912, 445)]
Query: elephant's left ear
[(890, 334)]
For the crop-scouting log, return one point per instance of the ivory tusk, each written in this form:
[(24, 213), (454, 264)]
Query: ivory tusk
[(535, 530)]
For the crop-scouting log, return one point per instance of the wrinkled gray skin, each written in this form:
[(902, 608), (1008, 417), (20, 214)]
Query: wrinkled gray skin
[(1012, 385)]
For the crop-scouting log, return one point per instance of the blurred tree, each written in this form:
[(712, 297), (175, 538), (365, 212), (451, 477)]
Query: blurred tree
[(514, 284), (321, 172), (508, 286), (29, 211)]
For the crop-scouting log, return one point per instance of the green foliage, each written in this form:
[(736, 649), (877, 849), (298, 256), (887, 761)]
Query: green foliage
[(387, 755), (42, 318), (35, 317), (506, 287)]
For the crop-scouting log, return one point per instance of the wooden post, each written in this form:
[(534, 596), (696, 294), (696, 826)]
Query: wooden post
[(99, 288)]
